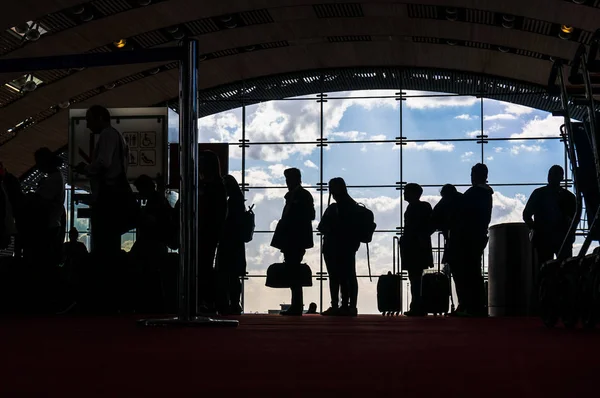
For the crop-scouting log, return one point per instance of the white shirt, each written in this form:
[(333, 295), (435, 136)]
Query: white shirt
[(109, 161), (52, 190)]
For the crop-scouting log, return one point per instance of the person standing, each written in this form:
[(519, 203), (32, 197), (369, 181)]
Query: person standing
[(231, 254), (340, 244), (468, 239), (109, 184), (294, 234), (415, 244), (548, 214)]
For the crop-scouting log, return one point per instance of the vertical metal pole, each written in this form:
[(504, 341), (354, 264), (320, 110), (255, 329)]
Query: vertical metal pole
[(321, 210), (243, 184), (482, 140), (188, 164)]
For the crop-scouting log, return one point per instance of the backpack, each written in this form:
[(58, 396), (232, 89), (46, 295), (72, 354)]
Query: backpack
[(364, 223), (248, 225)]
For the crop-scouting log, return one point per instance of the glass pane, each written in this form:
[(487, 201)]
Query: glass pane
[(363, 164), (439, 116), (438, 163), (265, 163), (383, 202), (523, 161), (220, 127), (361, 116), (289, 120)]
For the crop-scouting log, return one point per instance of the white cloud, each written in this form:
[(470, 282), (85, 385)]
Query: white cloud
[(438, 102), (466, 117), (498, 149), (490, 158), (310, 164), (541, 127), (428, 146), (467, 156), (349, 135), (516, 149), (501, 116), (517, 109), (491, 129), (378, 137)]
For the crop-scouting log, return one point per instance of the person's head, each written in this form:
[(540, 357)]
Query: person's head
[(312, 308), (448, 190), (209, 166), (338, 189), (97, 118), (412, 192), (232, 187), (73, 234), (46, 161), (293, 178), (479, 174), (145, 185), (555, 175)]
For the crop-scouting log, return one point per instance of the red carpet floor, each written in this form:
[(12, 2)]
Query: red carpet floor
[(273, 356)]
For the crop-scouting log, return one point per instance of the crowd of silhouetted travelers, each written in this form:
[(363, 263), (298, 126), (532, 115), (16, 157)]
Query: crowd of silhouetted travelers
[(63, 275)]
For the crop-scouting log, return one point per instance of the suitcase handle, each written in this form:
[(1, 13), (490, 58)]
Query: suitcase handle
[(395, 254)]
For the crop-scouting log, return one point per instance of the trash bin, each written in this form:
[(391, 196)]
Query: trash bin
[(510, 271)]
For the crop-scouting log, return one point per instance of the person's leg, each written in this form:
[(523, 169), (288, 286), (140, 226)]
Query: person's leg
[(414, 276), (235, 294), (294, 258), (334, 279), (352, 283), (474, 284), (206, 275)]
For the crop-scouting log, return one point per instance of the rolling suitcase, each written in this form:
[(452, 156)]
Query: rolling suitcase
[(389, 288), (435, 290)]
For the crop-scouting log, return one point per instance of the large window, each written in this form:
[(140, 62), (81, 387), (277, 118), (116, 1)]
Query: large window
[(377, 142)]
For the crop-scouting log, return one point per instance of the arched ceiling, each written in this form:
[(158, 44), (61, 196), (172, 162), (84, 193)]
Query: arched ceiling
[(244, 43)]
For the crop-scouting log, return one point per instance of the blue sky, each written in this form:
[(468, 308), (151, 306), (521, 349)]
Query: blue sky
[(429, 162)]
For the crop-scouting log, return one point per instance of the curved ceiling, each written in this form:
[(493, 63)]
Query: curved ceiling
[(512, 40)]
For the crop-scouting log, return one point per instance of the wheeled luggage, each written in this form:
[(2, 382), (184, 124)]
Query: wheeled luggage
[(389, 288), (435, 289)]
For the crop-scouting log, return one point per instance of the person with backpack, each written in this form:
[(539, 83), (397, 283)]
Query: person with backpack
[(415, 244), (231, 254), (340, 243)]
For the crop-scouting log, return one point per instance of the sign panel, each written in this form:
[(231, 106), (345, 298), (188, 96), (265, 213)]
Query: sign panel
[(144, 131), (221, 150)]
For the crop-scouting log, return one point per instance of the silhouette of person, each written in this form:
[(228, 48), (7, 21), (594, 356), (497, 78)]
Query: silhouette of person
[(155, 217), (339, 250), (231, 254), (48, 204), (444, 215), (312, 308), (293, 234), (415, 244), (74, 251), (468, 239), (108, 174), (212, 211), (74, 255), (548, 213)]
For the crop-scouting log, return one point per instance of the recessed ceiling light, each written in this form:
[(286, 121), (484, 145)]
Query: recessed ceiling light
[(566, 29), (120, 44), (503, 49)]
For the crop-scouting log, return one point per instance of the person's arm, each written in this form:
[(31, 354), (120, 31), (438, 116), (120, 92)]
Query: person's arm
[(107, 145), (530, 209)]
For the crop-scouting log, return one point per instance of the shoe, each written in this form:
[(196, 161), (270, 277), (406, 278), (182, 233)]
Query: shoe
[(292, 312), (331, 311), (349, 311), (415, 313)]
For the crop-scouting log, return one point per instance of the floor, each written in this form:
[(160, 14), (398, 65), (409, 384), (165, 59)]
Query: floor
[(271, 356)]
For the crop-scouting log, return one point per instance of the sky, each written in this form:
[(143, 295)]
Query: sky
[(428, 158)]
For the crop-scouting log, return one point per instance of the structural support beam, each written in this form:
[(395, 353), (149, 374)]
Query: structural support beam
[(188, 198), (74, 61)]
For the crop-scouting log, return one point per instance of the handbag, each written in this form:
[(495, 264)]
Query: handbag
[(286, 275)]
